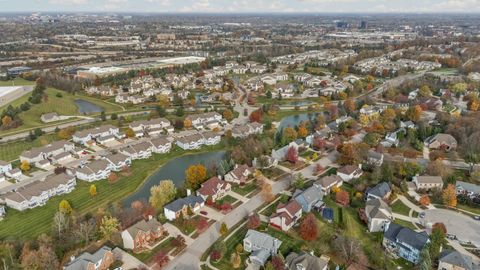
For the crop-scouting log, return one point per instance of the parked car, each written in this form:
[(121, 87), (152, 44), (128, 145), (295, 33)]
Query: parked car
[(422, 215), (451, 236), (204, 213), (476, 217)]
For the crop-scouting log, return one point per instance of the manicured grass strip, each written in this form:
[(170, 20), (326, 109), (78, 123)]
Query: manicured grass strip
[(12, 150), (147, 256)]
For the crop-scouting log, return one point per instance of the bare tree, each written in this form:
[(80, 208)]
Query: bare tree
[(347, 247), (61, 223), (86, 230)]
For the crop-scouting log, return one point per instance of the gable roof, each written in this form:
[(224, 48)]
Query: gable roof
[(380, 190), (212, 186), (348, 169), (329, 180), (428, 179), (81, 262), (377, 208), (263, 240), (178, 204), (308, 261), (456, 258), (400, 234), (310, 196), (144, 226)]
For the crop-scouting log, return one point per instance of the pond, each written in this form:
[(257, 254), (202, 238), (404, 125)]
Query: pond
[(295, 120), (86, 107), (175, 171), (301, 103)]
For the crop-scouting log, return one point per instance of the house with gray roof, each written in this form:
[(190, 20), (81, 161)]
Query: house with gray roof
[(306, 261), (118, 161), (261, 246), (94, 171), (180, 206), (310, 198), (441, 141), (427, 182), (379, 215), (100, 259), (404, 242), (468, 189), (380, 191), (454, 260)]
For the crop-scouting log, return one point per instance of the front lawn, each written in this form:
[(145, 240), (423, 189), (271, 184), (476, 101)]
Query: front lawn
[(400, 208), (246, 189), (147, 256)]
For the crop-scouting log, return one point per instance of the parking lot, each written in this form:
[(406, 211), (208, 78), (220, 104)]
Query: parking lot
[(464, 227)]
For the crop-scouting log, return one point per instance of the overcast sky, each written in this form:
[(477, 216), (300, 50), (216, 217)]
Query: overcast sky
[(262, 6)]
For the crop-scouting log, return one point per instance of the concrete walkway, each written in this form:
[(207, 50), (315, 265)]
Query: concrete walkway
[(237, 196), (173, 231), (129, 261), (408, 203)]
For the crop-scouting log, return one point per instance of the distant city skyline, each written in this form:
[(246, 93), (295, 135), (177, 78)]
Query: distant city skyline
[(244, 6)]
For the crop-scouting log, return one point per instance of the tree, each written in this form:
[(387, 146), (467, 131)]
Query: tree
[(292, 155), (61, 222), (162, 194), (437, 168), (425, 91), (449, 196), (42, 258), (278, 262), (109, 226), (266, 192), (93, 190), (239, 248), (302, 131), (161, 258), (223, 229), (425, 259), (25, 166), (349, 106), (112, 178), (342, 197), (228, 115), (129, 133), (202, 225), (235, 260), (64, 207), (66, 133), (348, 154), (179, 241), (318, 143), (424, 200), (86, 230), (195, 175), (347, 247), (414, 113), (256, 116), (6, 120), (289, 135), (187, 123), (103, 117), (309, 228), (253, 221)]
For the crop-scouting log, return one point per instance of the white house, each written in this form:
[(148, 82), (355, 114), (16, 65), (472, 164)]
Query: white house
[(379, 215), (286, 215), (138, 151), (160, 145), (118, 161), (192, 141), (83, 136), (5, 166), (350, 172), (94, 171)]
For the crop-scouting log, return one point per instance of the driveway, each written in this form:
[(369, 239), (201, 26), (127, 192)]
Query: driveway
[(129, 262), (463, 226)]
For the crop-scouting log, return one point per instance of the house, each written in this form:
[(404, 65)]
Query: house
[(243, 131), (38, 193), (151, 127), (3, 212), (268, 79), (214, 188), (379, 215), (286, 215), (380, 191), (441, 141), (306, 261), (261, 246), (160, 145), (326, 183), (309, 199), (94, 171), (14, 173), (468, 189), (191, 141), (211, 138), (142, 234), (239, 174), (5, 166), (279, 154), (83, 136), (404, 242), (454, 260), (427, 182), (140, 150), (37, 154), (118, 161), (180, 206), (101, 259), (199, 120), (375, 158), (350, 172)]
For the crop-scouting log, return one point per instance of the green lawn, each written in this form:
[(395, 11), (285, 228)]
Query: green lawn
[(64, 105), (231, 243), (10, 151), (400, 208), (405, 223), (33, 222), (245, 189), (16, 82), (147, 256)]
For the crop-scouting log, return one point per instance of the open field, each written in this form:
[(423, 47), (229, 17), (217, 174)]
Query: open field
[(64, 105), (33, 222), (10, 151)]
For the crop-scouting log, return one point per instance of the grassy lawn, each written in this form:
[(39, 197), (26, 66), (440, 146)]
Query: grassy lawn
[(10, 151), (16, 82), (231, 243), (245, 189), (33, 222), (469, 208), (227, 199), (147, 256), (400, 208), (405, 223), (64, 105)]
